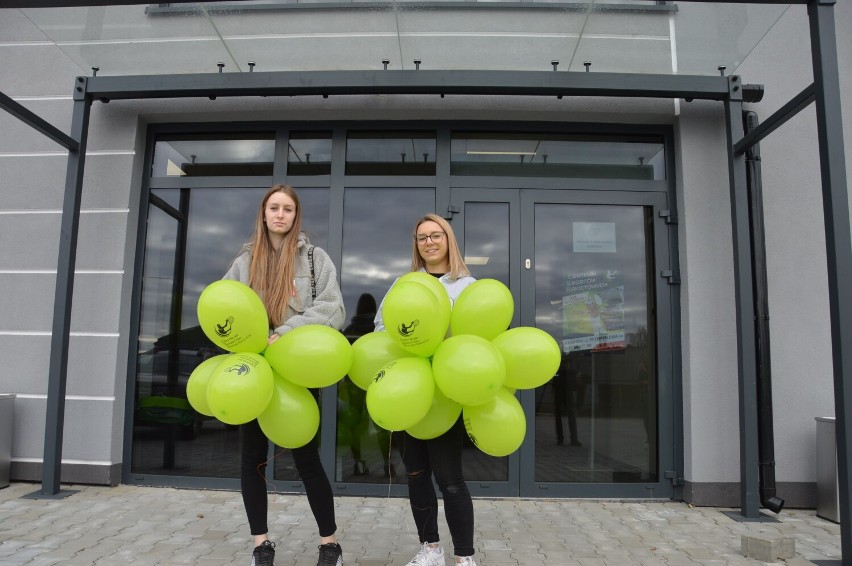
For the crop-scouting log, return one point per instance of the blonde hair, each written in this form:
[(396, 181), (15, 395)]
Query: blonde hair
[(271, 271), (458, 268)]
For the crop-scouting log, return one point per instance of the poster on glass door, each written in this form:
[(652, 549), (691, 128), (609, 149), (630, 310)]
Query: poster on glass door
[(593, 311)]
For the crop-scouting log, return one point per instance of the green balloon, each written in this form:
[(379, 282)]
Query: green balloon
[(468, 369), (532, 356), (369, 353), (401, 393), (313, 355), (292, 417), (240, 388), (412, 317), (232, 315), (484, 308), (497, 427), (437, 288), (196, 386), (441, 417)]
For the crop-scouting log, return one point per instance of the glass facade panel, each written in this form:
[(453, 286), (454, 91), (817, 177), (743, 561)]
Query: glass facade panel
[(390, 153), (214, 155), (594, 295), (550, 155), (486, 253), (486, 240), (377, 249), (309, 153), (169, 437), (595, 421)]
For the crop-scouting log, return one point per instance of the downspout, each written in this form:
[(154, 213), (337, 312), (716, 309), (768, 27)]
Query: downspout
[(765, 429)]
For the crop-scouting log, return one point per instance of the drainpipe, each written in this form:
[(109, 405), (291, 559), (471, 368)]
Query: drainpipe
[(765, 432)]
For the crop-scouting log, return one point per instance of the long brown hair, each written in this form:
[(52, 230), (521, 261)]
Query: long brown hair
[(272, 272), (457, 266)]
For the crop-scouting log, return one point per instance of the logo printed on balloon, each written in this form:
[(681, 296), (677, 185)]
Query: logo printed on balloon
[(406, 329), (379, 376), (240, 369), (468, 428), (225, 329)]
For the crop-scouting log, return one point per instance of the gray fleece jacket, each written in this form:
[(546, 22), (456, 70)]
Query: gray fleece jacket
[(326, 309)]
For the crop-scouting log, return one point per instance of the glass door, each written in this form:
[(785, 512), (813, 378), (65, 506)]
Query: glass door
[(581, 266), (487, 227)]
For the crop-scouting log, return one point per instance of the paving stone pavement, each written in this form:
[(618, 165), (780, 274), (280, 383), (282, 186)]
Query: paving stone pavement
[(127, 524)]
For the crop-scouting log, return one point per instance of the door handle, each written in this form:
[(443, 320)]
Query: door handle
[(527, 263)]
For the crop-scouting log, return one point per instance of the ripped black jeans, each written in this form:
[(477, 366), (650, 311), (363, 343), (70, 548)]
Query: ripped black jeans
[(442, 457)]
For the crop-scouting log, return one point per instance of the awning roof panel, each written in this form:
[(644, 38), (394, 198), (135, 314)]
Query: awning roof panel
[(627, 36)]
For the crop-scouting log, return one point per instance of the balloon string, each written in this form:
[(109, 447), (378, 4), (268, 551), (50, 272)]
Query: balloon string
[(389, 464), (262, 466)]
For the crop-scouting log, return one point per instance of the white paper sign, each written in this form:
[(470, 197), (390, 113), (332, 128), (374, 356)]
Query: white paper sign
[(594, 237)]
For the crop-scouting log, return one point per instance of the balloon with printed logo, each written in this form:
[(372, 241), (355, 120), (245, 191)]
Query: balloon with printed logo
[(196, 386), (410, 313), (484, 308), (497, 427), (401, 393), (232, 315), (468, 369), (531, 355), (291, 419), (441, 417), (369, 353), (440, 292), (311, 356), (240, 388)]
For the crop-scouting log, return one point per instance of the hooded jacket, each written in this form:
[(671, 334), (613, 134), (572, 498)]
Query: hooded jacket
[(327, 308)]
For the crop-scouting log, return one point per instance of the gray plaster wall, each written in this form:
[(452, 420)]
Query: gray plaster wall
[(802, 373)]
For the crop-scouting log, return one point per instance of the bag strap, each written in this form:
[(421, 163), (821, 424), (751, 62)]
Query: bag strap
[(313, 279)]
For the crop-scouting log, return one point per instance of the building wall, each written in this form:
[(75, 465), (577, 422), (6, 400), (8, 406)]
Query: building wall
[(32, 170)]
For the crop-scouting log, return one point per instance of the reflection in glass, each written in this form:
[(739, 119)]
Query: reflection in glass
[(213, 155), (390, 153), (486, 253), (376, 250), (169, 437), (594, 295), (486, 240), (309, 153), (554, 155)]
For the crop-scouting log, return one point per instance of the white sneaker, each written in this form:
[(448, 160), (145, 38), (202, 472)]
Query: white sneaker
[(428, 556), (465, 560)]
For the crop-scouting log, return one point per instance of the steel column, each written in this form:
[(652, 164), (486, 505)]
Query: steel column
[(837, 241), (743, 281), (60, 336)]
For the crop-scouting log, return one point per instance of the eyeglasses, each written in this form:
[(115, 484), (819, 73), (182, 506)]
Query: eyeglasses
[(436, 238)]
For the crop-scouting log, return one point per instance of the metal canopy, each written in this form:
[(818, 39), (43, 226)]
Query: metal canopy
[(825, 92), (502, 83)]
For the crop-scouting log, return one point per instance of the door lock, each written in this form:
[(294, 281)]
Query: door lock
[(527, 263)]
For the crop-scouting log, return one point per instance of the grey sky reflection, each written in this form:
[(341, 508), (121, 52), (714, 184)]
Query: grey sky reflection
[(377, 226)]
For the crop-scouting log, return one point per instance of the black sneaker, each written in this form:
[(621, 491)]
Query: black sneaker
[(264, 554), (330, 555)]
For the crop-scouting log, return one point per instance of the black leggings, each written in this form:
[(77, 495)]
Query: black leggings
[(442, 457), (254, 446)]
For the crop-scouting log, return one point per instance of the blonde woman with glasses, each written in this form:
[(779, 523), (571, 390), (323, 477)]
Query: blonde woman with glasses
[(436, 252)]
